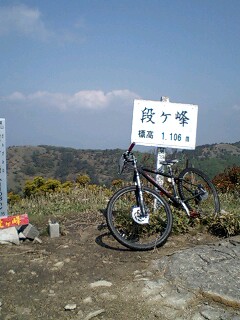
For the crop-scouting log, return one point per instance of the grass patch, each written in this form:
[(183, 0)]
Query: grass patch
[(89, 203), (81, 202)]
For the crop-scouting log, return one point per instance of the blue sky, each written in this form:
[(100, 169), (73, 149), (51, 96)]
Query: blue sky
[(70, 70)]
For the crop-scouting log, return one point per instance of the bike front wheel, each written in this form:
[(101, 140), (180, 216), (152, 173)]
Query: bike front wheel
[(129, 228), (198, 193)]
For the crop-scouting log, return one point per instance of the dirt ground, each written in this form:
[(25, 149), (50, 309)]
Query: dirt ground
[(38, 280)]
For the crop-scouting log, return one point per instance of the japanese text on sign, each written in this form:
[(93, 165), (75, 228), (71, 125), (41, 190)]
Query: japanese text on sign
[(164, 124), (3, 174), (13, 221)]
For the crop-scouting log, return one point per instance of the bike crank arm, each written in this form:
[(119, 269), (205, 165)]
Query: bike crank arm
[(185, 208)]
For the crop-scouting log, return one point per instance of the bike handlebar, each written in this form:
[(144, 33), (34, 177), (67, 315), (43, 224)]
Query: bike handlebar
[(131, 146), (126, 157)]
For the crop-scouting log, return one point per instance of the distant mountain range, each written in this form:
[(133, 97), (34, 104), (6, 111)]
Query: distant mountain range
[(26, 162)]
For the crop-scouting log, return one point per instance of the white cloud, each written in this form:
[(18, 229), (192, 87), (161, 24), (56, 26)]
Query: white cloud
[(23, 20), (89, 99), (86, 99), (28, 22), (15, 96)]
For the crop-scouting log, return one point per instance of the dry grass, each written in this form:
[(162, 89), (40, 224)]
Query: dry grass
[(88, 202)]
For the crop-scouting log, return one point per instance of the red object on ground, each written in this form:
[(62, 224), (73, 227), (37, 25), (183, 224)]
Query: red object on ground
[(14, 221)]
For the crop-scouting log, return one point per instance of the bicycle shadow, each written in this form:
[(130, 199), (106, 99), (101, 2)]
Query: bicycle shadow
[(101, 240)]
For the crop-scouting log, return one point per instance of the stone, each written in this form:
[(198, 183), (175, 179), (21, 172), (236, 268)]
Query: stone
[(9, 236), (37, 240), (100, 283), (58, 265), (53, 230), (70, 306), (88, 300), (108, 296), (30, 231), (94, 314), (204, 280)]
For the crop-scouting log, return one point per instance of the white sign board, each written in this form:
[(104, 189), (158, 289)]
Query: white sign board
[(3, 171), (164, 124)]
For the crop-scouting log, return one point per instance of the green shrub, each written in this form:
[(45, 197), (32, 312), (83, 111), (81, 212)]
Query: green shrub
[(41, 186), (13, 198), (52, 198), (181, 223), (83, 180), (227, 224)]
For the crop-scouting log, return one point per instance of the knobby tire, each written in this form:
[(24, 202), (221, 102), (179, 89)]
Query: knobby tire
[(132, 234), (199, 203)]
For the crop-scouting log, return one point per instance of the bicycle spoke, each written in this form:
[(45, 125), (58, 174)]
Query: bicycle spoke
[(138, 234), (198, 193)]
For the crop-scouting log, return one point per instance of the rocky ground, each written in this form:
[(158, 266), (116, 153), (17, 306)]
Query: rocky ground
[(85, 274)]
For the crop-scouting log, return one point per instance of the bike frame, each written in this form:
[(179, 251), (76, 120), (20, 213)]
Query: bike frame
[(174, 198)]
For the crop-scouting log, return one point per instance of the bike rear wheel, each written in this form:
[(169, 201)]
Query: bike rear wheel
[(198, 193), (122, 212)]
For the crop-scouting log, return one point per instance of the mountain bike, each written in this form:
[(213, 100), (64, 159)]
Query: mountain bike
[(140, 217)]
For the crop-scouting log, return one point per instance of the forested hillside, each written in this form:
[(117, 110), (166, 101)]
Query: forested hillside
[(27, 162), (213, 159)]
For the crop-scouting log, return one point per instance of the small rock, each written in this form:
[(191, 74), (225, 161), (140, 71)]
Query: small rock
[(136, 272), (37, 240), (59, 264), (108, 296), (11, 271), (94, 314), (70, 306), (101, 283), (30, 231), (141, 279), (51, 293), (87, 300)]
